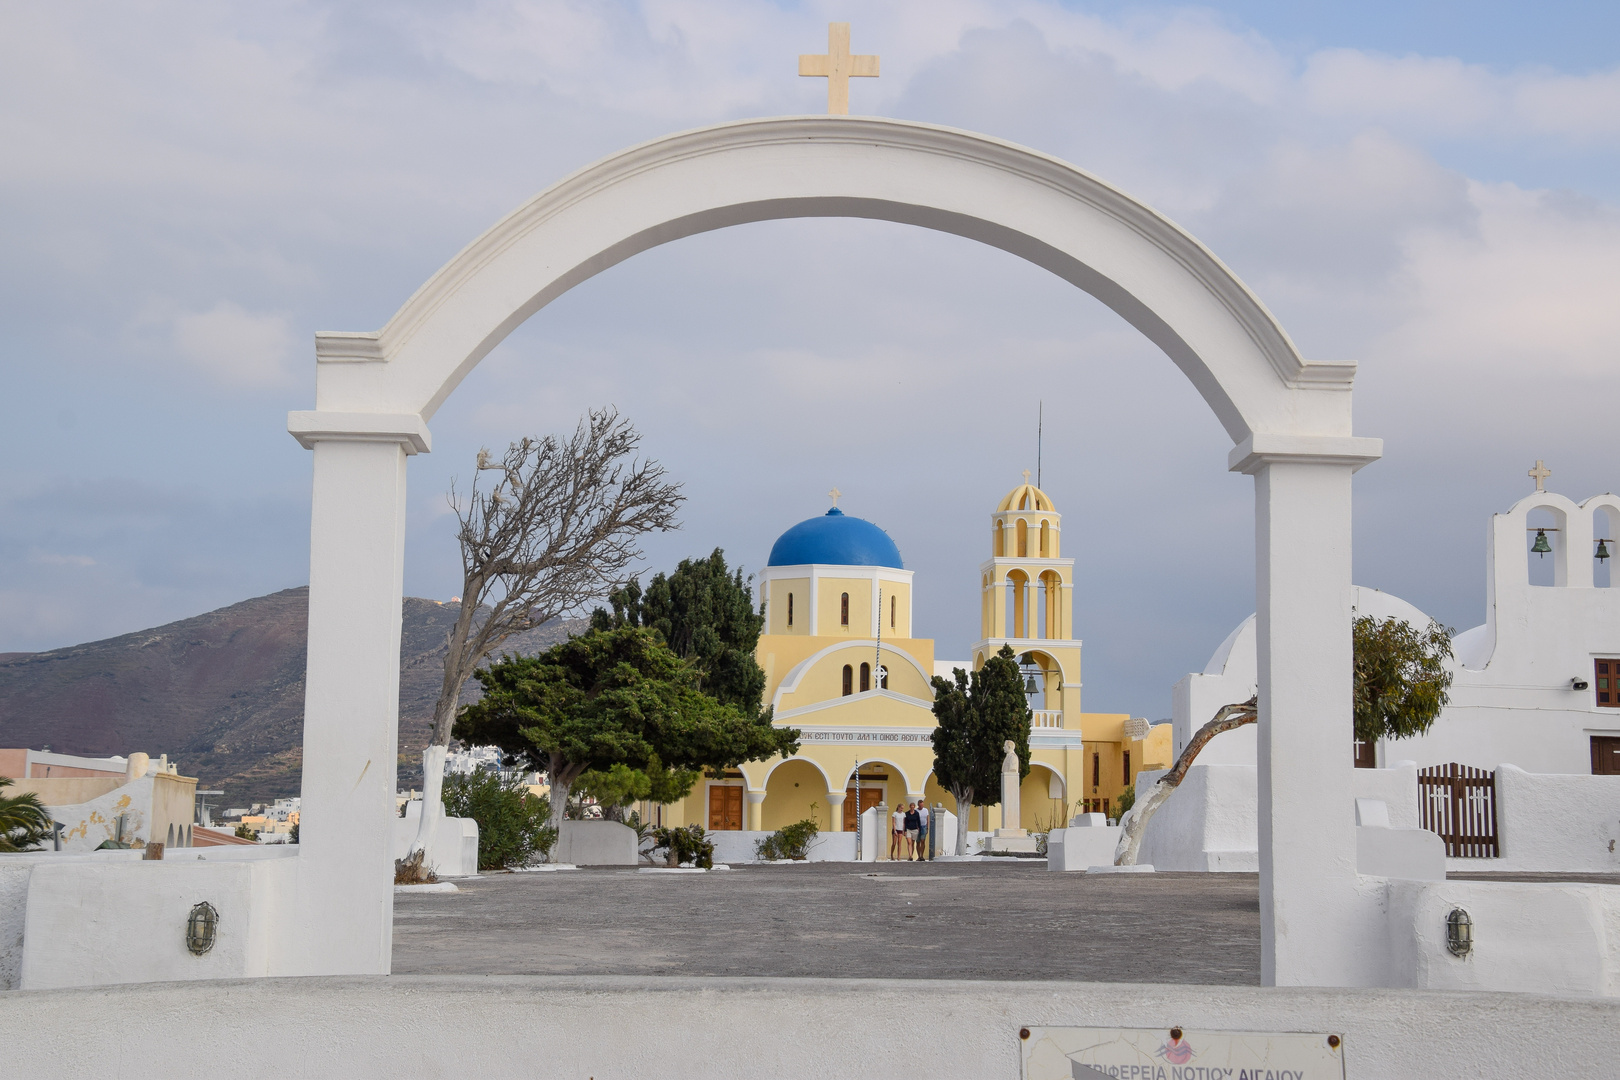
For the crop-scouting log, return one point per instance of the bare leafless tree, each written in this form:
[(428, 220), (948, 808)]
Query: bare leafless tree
[(1226, 718), (559, 528)]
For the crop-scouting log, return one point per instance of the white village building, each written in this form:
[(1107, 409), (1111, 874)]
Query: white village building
[(1535, 700)]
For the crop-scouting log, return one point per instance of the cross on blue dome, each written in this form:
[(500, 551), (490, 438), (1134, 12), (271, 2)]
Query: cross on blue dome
[(835, 539)]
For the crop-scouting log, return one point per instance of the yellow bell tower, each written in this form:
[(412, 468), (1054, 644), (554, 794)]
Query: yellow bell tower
[(1028, 602)]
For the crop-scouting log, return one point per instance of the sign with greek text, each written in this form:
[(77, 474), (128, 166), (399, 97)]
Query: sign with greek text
[(1077, 1053)]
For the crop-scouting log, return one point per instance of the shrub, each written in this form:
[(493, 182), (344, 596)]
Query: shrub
[(687, 844), (1127, 799), (512, 821), (24, 822), (242, 833), (789, 842)]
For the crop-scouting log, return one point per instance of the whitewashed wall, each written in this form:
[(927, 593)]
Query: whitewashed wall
[(408, 1026), (1557, 823), (1512, 697)]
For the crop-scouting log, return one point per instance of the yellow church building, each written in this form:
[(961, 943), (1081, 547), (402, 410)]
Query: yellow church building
[(843, 667)]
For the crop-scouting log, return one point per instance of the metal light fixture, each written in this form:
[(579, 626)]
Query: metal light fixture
[(1541, 547), (1459, 933), (1603, 550), (201, 925)]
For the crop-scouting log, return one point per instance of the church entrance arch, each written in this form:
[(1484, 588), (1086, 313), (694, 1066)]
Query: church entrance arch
[(1289, 421)]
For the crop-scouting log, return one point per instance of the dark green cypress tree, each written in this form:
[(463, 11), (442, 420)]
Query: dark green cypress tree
[(705, 613), (977, 714)]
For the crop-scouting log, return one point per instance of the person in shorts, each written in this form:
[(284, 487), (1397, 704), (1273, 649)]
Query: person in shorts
[(913, 827), (922, 833), (897, 831)]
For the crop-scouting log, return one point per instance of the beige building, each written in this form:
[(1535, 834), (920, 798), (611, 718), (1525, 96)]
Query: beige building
[(129, 800), (843, 666)]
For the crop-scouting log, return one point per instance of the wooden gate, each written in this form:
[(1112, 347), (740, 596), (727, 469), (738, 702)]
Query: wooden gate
[(1459, 803)]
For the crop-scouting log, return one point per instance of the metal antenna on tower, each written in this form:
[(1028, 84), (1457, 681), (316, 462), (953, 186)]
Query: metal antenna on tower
[(1040, 431)]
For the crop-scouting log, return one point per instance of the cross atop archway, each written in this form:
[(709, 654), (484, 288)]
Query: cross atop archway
[(837, 66), (1539, 474)]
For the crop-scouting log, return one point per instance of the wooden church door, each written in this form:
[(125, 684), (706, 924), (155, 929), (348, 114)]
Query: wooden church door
[(725, 807), (870, 797)]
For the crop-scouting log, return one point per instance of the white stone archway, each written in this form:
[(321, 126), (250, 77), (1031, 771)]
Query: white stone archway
[(1289, 420)]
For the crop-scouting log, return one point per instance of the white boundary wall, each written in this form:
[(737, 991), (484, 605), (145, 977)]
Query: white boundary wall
[(713, 1029), (1553, 823)]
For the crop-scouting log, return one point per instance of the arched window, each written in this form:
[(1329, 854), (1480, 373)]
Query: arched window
[(1023, 539), (883, 677), (866, 677), (1046, 540), (843, 610), (790, 609), (849, 680), (893, 603)]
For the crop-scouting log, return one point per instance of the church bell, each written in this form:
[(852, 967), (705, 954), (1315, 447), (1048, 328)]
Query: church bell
[(1541, 547), (1603, 550), (1029, 685)]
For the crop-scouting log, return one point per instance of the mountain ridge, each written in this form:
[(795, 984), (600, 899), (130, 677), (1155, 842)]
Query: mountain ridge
[(222, 693)]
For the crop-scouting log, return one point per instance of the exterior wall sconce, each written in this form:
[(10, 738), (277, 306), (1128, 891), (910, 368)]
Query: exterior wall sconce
[(1459, 933), (201, 925)]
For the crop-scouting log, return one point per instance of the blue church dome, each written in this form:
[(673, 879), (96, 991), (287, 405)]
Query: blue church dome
[(837, 540)]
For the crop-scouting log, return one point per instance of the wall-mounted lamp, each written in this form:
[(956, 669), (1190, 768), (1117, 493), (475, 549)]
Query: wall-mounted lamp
[(201, 925), (1459, 933)]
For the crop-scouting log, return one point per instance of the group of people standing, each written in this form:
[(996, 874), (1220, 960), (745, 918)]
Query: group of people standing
[(908, 831)]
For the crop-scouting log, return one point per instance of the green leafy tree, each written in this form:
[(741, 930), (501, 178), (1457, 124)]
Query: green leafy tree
[(1402, 679), (1401, 684), (705, 613), (620, 786), (976, 714), (513, 825), (609, 697), (24, 821)]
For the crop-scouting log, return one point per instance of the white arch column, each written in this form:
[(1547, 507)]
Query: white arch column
[(343, 907), (1308, 888)]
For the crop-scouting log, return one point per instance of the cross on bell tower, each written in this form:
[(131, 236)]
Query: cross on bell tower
[(1539, 474)]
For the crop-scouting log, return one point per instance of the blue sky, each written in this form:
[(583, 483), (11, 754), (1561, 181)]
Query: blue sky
[(191, 190)]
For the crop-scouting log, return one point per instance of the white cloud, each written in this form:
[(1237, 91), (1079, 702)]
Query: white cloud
[(1443, 95), (205, 183), (1532, 288), (236, 347)]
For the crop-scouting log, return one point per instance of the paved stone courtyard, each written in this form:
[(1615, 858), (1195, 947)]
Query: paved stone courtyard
[(942, 920)]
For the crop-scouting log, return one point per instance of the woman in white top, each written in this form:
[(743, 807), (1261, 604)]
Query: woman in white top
[(897, 832)]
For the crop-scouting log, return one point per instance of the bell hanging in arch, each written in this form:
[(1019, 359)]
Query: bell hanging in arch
[(1541, 547), (1029, 685), (1603, 550)]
